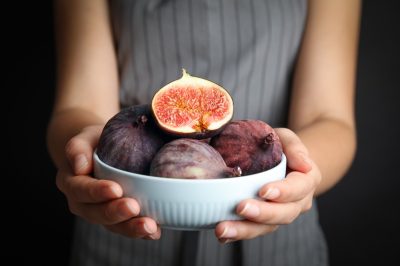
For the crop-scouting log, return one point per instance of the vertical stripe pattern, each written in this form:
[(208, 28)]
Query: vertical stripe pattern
[(248, 47)]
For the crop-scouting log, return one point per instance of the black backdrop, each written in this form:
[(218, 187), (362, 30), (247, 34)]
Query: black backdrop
[(360, 215)]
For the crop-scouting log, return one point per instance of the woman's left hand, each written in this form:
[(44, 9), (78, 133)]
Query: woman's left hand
[(280, 202)]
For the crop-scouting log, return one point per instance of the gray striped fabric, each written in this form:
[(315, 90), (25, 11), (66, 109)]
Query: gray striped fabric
[(248, 47), (300, 243)]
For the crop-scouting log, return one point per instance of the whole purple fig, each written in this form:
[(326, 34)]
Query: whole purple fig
[(130, 139), (251, 144), (191, 159)]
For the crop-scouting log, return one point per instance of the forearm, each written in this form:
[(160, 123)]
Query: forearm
[(322, 102), (63, 126), (87, 77), (331, 144)]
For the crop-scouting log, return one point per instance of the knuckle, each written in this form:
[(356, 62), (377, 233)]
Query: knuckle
[(59, 182), (74, 146), (74, 192), (250, 233), (73, 208), (64, 184), (71, 145), (92, 190), (309, 186), (292, 146), (297, 149), (288, 220), (91, 128), (285, 131), (308, 206), (293, 136), (318, 179), (291, 217), (265, 229), (273, 228), (133, 228), (292, 142), (269, 216), (108, 214)]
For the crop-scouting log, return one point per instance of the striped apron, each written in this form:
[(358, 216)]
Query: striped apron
[(247, 46)]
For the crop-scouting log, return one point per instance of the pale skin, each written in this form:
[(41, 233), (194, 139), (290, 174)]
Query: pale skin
[(319, 143)]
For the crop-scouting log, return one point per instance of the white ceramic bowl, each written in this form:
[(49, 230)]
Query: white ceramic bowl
[(188, 204)]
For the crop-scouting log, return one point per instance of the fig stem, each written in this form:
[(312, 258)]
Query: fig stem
[(269, 139), (184, 73), (236, 171), (142, 119)]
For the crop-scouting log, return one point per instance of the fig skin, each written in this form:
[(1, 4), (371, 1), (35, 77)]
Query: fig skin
[(130, 139), (190, 159), (251, 144)]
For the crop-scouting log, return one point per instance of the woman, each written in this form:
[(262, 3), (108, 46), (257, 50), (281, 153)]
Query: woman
[(289, 63)]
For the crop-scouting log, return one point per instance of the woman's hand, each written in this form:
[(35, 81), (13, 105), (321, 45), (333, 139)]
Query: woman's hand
[(280, 202), (100, 201)]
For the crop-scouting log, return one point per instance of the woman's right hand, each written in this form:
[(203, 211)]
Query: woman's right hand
[(100, 201)]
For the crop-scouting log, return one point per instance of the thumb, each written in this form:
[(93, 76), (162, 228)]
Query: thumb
[(295, 151), (299, 161), (79, 149)]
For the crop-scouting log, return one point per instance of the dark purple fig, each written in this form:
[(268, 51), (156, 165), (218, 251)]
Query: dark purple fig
[(251, 144), (191, 159), (130, 139)]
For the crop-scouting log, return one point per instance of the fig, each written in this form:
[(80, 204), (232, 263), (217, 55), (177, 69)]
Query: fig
[(130, 139), (192, 159), (192, 107), (251, 144)]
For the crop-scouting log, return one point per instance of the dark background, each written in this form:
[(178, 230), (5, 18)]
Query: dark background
[(360, 215)]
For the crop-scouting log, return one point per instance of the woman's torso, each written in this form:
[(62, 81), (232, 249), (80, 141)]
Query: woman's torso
[(248, 47)]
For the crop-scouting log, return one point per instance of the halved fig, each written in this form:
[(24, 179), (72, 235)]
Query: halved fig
[(192, 107)]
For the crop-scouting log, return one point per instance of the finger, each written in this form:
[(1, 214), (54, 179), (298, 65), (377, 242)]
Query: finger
[(112, 212), (86, 189), (295, 151), (79, 149), (141, 227), (294, 187), (229, 231), (269, 212), (155, 236)]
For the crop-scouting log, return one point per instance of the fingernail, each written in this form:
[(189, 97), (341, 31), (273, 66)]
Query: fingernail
[(108, 192), (250, 210), (225, 240), (127, 210), (116, 191), (229, 232), (153, 237), (148, 229), (272, 193), (80, 162)]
